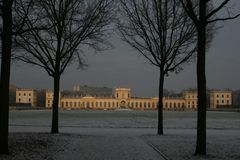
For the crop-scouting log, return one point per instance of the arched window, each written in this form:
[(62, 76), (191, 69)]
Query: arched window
[(96, 104), (104, 104)]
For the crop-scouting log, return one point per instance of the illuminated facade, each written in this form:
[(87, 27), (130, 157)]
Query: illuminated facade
[(123, 100), (26, 96), (220, 98), (49, 99)]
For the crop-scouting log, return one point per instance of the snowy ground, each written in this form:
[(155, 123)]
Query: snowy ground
[(120, 135)]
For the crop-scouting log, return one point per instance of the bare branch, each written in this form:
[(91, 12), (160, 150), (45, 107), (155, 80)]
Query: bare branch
[(159, 30), (223, 19), (217, 9), (55, 29)]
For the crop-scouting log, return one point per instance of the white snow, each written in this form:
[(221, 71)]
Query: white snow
[(120, 135)]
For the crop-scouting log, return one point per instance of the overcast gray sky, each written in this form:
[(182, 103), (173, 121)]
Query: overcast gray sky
[(124, 67)]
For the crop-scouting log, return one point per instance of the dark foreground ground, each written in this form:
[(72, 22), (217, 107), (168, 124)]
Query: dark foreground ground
[(120, 135)]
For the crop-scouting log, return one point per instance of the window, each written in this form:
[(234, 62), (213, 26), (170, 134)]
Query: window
[(19, 94), (75, 104), (19, 99), (29, 94), (222, 96), (217, 95), (24, 94), (29, 99), (109, 104), (66, 104), (222, 101), (217, 101), (228, 102), (96, 104)]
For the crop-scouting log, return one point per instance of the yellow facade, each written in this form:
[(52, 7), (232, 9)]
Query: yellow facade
[(49, 99), (26, 96), (123, 100), (190, 98), (220, 98)]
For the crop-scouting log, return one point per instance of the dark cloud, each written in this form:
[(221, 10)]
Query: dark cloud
[(124, 67)]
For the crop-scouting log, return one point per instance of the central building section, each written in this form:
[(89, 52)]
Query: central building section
[(123, 95)]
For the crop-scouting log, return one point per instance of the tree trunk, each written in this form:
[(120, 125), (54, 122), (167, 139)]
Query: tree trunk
[(55, 105), (201, 82), (160, 104), (5, 74)]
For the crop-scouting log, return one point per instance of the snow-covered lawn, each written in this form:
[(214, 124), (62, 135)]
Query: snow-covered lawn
[(120, 135)]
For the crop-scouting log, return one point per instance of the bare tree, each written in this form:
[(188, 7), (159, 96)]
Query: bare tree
[(203, 13), (66, 25), (163, 33), (6, 36), (9, 27)]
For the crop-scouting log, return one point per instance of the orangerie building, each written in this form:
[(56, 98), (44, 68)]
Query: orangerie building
[(123, 99)]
